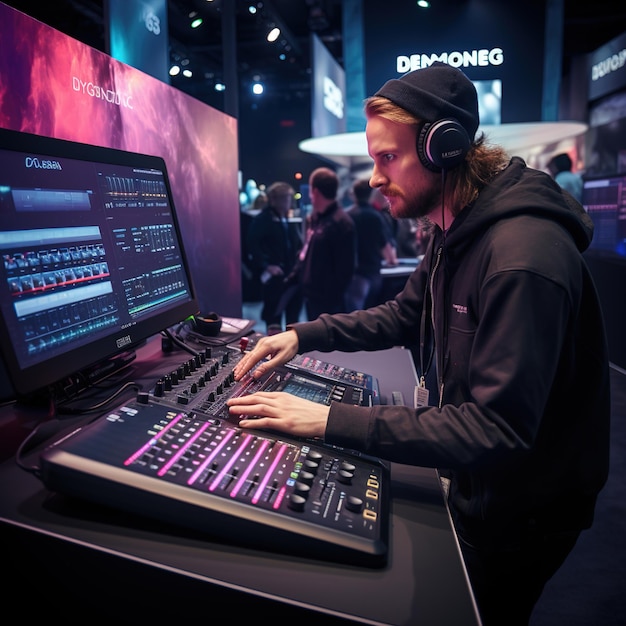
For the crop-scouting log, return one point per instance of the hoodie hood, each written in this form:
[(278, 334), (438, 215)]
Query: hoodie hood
[(520, 190)]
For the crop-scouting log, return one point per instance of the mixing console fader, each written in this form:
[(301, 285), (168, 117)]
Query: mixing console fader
[(246, 486)]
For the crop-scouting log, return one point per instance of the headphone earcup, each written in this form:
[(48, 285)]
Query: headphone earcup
[(208, 324), (442, 144)]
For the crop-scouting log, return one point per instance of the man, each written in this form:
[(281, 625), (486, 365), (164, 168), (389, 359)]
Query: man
[(560, 166), (273, 247), (328, 257), (374, 244), (513, 407)]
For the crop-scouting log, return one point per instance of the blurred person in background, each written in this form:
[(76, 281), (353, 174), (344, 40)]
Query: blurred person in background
[(273, 247), (328, 258), (560, 167), (374, 245)]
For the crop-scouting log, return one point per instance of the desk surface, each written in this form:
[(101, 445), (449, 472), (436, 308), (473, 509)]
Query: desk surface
[(404, 267), (424, 581)]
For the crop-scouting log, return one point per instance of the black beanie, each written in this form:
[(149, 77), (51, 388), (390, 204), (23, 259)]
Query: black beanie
[(435, 92)]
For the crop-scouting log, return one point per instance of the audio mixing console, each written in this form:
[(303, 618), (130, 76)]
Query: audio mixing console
[(204, 382), (175, 454)]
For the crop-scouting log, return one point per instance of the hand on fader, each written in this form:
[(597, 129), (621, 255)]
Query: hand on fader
[(280, 348), (280, 411)]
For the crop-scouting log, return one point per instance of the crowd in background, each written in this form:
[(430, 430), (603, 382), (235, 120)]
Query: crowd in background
[(329, 258)]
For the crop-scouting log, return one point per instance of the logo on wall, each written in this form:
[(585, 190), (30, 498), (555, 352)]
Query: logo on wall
[(333, 98), (606, 66), (100, 93), (152, 22), (466, 58)]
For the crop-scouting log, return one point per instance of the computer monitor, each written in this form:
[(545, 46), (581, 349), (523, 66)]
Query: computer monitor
[(605, 200), (92, 258)]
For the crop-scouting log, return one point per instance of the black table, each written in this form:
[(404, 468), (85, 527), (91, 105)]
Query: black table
[(87, 562), (395, 277)]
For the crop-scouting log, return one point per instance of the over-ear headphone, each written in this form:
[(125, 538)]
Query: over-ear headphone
[(442, 145), (208, 324)]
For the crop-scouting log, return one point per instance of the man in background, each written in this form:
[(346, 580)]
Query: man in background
[(374, 244), (560, 167), (273, 248), (328, 258)]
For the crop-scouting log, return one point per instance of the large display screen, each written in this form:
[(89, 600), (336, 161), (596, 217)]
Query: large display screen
[(328, 92), (605, 201), (500, 43), (53, 85), (92, 256)]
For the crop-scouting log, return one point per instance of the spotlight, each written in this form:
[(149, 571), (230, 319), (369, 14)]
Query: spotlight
[(273, 35), (174, 70)]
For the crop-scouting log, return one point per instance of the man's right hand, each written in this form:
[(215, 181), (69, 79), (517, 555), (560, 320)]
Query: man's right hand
[(279, 348)]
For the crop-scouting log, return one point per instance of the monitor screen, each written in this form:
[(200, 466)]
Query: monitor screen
[(92, 260), (605, 201)]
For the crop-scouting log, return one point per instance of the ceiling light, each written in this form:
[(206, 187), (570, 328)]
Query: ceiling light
[(187, 73), (424, 4), (174, 70), (197, 22), (273, 35)]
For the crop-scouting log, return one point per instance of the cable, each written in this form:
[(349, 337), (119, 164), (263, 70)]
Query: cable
[(95, 407), (443, 210), (39, 434), (179, 341), (440, 350)]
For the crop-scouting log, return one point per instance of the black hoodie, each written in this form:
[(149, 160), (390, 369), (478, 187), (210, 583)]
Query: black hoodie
[(520, 422)]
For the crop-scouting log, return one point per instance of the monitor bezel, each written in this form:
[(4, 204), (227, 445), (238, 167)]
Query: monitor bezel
[(47, 374)]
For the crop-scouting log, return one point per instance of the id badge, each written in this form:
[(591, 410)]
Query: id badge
[(421, 394)]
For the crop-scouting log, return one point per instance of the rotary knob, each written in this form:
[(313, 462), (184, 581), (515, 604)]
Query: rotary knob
[(345, 477), (306, 477), (311, 465), (296, 502), (302, 489), (354, 504), (314, 455)]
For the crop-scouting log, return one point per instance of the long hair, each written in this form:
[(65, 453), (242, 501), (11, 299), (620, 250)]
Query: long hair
[(465, 181)]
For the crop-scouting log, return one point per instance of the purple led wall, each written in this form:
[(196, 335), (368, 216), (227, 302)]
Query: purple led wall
[(54, 85)]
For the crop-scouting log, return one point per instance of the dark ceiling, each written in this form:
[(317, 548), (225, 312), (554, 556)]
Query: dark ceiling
[(586, 27)]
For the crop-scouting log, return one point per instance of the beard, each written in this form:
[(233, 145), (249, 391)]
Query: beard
[(417, 203)]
